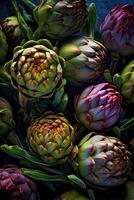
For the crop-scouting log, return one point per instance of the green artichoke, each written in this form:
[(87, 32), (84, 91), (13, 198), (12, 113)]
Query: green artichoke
[(11, 28), (51, 138), (72, 195), (3, 46), (6, 117), (127, 82), (85, 59), (103, 161), (35, 70), (60, 19)]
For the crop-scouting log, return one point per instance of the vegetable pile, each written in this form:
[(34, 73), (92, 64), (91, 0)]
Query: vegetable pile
[(66, 102)]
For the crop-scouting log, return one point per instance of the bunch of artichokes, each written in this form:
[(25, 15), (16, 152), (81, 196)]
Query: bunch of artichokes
[(57, 70)]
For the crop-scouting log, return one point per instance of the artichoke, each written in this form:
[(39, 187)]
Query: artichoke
[(35, 70), (60, 19), (85, 59), (51, 138), (103, 161), (15, 186), (6, 117), (11, 28), (3, 46), (127, 82), (72, 195), (117, 30), (98, 106)]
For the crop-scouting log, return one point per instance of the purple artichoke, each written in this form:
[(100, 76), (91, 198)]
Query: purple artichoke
[(103, 161), (117, 30), (98, 106), (15, 186)]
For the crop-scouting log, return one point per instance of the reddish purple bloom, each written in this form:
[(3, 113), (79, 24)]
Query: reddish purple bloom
[(15, 186), (117, 30), (98, 106)]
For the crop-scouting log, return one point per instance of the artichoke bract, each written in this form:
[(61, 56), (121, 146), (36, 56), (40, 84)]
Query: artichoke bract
[(15, 186), (103, 161), (51, 138), (12, 30), (35, 70), (117, 30), (6, 117), (85, 59), (98, 106), (127, 86), (60, 19)]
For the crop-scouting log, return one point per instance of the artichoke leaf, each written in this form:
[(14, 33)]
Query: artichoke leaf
[(41, 175), (77, 181), (23, 155)]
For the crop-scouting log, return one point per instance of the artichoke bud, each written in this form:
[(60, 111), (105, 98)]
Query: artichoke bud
[(98, 106), (51, 138), (12, 30), (103, 161), (3, 46), (14, 185), (36, 69), (6, 117), (86, 60), (60, 19), (117, 30), (127, 87)]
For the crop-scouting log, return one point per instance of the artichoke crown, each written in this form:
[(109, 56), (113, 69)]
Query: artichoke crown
[(85, 59), (103, 161), (35, 69), (51, 138)]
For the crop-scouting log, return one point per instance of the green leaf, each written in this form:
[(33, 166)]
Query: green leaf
[(24, 156), (129, 124), (86, 138), (29, 5), (91, 21), (41, 175), (27, 31), (77, 181)]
